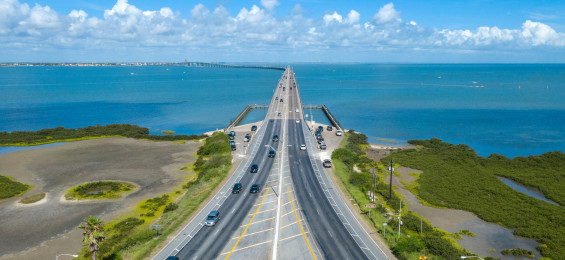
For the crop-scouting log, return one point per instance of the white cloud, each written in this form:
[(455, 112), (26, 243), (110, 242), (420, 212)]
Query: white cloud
[(333, 17), (269, 4), (387, 14), (252, 29), (353, 17), (541, 34)]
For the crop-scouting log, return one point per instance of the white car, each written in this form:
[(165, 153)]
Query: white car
[(298, 121), (297, 110), (338, 133), (303, 147)]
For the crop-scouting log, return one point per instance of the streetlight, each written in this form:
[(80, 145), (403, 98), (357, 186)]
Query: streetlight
[(470, 256), (57, 257)]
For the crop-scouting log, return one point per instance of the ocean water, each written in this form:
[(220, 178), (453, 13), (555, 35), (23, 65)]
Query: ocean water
[(510, 109)]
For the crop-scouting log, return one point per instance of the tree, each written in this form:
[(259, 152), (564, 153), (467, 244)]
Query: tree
[(93, 234)]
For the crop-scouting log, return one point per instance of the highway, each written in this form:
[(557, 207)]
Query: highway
[(328, 229)]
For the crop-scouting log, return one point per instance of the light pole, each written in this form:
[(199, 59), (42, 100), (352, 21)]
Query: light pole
[(57, 257), (470, 256)]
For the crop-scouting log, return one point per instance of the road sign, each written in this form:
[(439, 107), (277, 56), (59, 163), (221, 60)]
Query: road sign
[(156, 226), (370, 206)]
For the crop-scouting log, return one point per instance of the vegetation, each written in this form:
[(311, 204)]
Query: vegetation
[(10, 188), (99, 190), (518, 252), (61, 134), (466, 233), (33, 198), (410, 245), (132, 236), (93, 234), (454, 176)]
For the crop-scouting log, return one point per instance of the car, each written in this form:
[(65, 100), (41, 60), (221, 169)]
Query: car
[(253, 128), (275, 138), (303, 147), (279, 114), (233, 147), (254, 168), (318, 133), (284, 88), (236, 188), (329, 128), (327, 163), (272, 154), (247, 138), (338, 133), (172, 257), (231, 136), (320, 140), (281, 100), (321, 128), (277, 98), (297, 110), (232, 133), (212, 218), (255, 188), (323, 146), (298, 121)]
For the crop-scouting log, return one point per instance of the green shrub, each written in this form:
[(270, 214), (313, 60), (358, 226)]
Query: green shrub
[(170, 207), (33, 198), (441, 247), (407, 244), (10, 188)]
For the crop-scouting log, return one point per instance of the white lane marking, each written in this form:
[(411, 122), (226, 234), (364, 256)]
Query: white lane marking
[(330, 233)]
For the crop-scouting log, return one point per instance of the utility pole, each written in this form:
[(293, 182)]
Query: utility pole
[(399, 215), (390, 186)]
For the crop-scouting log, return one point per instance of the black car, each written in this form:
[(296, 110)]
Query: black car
[(255, 188), (253, 128), (329, 128), (232, 133), (254, 168), (320, 140), (321, 128), (275, 138), (318, 133), (271, 154), (281, 100), (231, 136), (236, 188), (172, 258)]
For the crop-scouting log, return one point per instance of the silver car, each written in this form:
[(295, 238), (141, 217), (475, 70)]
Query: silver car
[(212, 218)]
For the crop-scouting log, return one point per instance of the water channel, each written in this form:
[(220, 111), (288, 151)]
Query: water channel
[(526, 190)]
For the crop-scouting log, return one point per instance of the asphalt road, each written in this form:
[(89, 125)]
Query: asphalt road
[(332, 238)]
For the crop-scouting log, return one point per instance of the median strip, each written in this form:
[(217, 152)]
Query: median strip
[(257, 210), (305, 238)]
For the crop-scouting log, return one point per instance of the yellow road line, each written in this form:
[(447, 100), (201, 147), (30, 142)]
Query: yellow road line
[(237, 242), (305, 238), (259, 221), (258, 244), (250, 234), (291, 237)]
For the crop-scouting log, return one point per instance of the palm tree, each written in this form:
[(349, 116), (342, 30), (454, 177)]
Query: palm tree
[(93, 234)]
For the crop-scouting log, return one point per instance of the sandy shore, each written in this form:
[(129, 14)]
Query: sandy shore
[(47, 228)]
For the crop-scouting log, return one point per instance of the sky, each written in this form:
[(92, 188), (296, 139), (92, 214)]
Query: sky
[(372, 31)]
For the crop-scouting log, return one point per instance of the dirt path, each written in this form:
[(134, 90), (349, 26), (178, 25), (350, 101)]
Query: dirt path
[(43, 230)]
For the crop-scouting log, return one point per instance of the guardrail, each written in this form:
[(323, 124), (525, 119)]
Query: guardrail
[(242, 115)]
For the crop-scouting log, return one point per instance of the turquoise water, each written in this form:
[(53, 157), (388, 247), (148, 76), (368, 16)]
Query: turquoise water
[(514, 110)]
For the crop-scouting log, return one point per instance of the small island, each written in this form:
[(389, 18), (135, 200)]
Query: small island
[(10, 188), (99, 190)]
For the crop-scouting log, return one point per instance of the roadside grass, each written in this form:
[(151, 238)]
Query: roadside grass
[(131, 236), (10, 188), (99, 190), (434, 243), (33, 198)]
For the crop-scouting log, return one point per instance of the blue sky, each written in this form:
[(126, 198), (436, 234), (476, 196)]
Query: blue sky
[(417, 31)]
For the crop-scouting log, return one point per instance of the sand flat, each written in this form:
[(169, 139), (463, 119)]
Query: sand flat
[(43, 230)]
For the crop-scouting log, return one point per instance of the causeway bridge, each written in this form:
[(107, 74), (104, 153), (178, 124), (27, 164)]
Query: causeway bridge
[(298, 212)]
